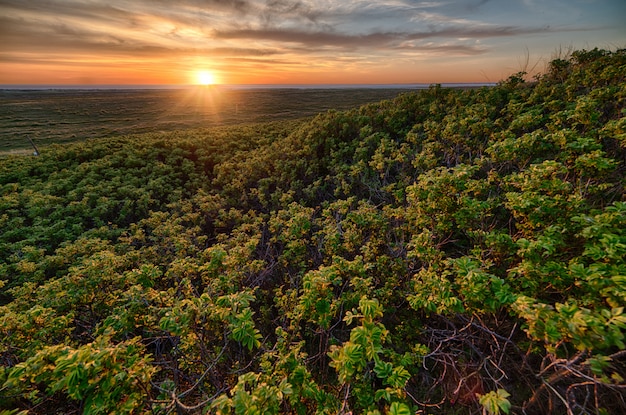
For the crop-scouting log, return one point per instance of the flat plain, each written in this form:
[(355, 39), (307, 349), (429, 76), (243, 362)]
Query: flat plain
[(68, 115)]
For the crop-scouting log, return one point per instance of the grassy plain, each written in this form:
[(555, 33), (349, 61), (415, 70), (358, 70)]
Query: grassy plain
[(70, 115)]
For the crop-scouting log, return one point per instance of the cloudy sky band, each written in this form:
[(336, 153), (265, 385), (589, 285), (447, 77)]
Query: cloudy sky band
[(213, 33)]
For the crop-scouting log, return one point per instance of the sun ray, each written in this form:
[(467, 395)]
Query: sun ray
[(205, 78)]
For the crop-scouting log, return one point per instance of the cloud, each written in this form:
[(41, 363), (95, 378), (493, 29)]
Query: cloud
[(349, 23), (281, 31), (47, 37), (276, 11), (473, 7), (112, 30), (370, 40)]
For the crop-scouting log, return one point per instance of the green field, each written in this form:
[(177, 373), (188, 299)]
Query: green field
[(57, 116), (447, 251)]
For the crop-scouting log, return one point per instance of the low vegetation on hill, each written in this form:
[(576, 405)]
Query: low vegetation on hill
[(448, 251)]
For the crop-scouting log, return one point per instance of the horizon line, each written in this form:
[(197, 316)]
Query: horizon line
[(238, 86)]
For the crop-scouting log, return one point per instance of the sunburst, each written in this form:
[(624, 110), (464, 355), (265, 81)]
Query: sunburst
[(205, 78)]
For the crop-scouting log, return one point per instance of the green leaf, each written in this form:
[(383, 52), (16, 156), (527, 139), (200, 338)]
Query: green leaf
[(399, 377), (598, 364), (398, 408), (495, 401), (353, 352), (383, 369), (382, 394), (371, 309), (322, 306)]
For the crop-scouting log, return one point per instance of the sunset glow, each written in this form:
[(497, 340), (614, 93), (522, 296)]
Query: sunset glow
[(295, 41), (205, 78)]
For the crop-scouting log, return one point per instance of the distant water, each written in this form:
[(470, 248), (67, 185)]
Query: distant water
[(53, 114)]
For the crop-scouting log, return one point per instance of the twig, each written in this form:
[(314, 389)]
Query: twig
[(558, 395), (187, 408), (427, 405), (570, 397), (344, 404), (195, 385)]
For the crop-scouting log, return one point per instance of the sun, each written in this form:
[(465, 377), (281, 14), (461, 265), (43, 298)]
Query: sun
[(205, 78)]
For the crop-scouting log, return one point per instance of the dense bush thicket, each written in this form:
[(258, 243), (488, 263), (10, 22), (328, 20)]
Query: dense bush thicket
[(450, 251)]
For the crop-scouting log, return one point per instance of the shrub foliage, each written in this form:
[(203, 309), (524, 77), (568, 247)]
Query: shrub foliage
[(450, 251)]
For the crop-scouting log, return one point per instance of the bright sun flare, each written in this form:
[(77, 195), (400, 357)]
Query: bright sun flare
[(205, 78)]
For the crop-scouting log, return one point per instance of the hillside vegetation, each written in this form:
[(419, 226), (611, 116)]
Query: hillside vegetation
[(449, 251)]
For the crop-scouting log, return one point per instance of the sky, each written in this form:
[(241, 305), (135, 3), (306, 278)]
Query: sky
[(159, 42)]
